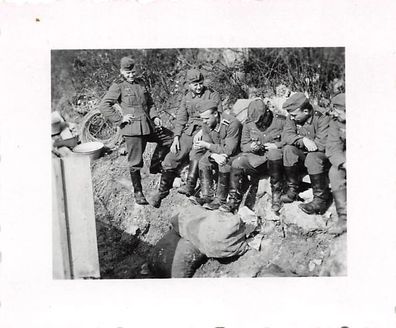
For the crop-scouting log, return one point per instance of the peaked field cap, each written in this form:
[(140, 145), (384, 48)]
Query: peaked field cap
[(127, 63), (338, 101), (205, 105), (297, 100), (194, 75)]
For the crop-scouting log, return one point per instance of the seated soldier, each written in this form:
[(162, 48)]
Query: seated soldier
[(335, 151), (262, 152), (187, 130), (305, 135), (220, 141)]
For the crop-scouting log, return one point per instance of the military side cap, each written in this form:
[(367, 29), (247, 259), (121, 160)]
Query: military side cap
[(205, 105), (339, 101), (127, 63), (298, 100), (194, 75)]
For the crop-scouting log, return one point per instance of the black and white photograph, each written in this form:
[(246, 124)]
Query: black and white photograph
[(181, 163), (176, 163)]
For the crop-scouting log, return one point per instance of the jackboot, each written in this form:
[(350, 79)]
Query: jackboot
[(236, 180), (340, 200), (250, 199), (137, 188), (293, 181), (166, 182), (275, 171), (223, 184), (206, 182), (322, 196), (189, 187)]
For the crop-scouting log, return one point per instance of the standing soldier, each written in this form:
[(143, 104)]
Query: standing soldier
[(262, 152), (187, 130), (139, 121), (221, 134), (305, 136), (335, 151)]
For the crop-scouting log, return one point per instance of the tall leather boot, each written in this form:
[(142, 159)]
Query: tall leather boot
[(189, 187), (206, 182), (223, 184), (340, 200), (166, 182), (293, 181), (156, 160), (235, 193), (137, 188), (250, 199), (275, 171), (322, 196)]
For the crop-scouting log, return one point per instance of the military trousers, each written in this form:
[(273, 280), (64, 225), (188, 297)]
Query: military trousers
[(315, 162), (256, 164), (174, 161), (337, 178), (206, 162), (136, 145)]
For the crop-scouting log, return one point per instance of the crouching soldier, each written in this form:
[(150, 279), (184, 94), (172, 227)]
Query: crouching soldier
[(139, 122), (187, 130), (305, 136), (221, 134), (262, 152), (335, 151)]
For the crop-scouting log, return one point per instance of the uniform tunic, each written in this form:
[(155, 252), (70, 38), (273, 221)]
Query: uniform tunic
[(316, 129), (188, 123), (224, 139), (335, 151), (135, 100)]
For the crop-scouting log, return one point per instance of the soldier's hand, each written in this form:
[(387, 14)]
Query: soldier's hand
[(220, 159), (270, 145), (309, 144), (198, 136), (158, 122), (126, 119), (175, 147), (254, 146), (201, 144)]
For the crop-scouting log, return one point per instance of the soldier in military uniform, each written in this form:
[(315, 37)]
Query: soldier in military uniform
[(221, 134), (139, 122), (305, 135), (262, 152), (335, 151), (187, 130)]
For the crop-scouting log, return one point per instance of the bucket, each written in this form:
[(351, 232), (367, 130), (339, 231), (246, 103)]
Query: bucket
[(92, 149)]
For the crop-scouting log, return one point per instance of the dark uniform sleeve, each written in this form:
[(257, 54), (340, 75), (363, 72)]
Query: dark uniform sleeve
[(181, 118), (321, 132), (335, 146), (231, 142), (246, 140), (274, 133), (290, 136), (152, 111), (111, 97)]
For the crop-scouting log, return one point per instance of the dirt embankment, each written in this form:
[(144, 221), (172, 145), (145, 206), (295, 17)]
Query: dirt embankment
[(294, 244)]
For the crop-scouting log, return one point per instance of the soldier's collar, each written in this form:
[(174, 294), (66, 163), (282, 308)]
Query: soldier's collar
[(309, 121)]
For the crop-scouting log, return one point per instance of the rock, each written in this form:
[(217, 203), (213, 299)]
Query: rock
[(311, 266), (336, 263), (291, 214), (177, 183)]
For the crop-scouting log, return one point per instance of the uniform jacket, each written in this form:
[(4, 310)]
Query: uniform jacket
[(225, 137), (336, 143), (133, 99), (273, 133), (315, 128), (187, 117)]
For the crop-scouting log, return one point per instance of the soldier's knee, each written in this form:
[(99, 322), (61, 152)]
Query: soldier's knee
[(275, 154), (239, 162), (315, 162)]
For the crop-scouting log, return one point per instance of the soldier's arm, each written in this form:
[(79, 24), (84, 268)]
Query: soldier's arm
[(274, 133), (321, 132), (246, 140), (111, 97), (181, 118), (231, 142), (290, 136), (335, 146), (152, 111)]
